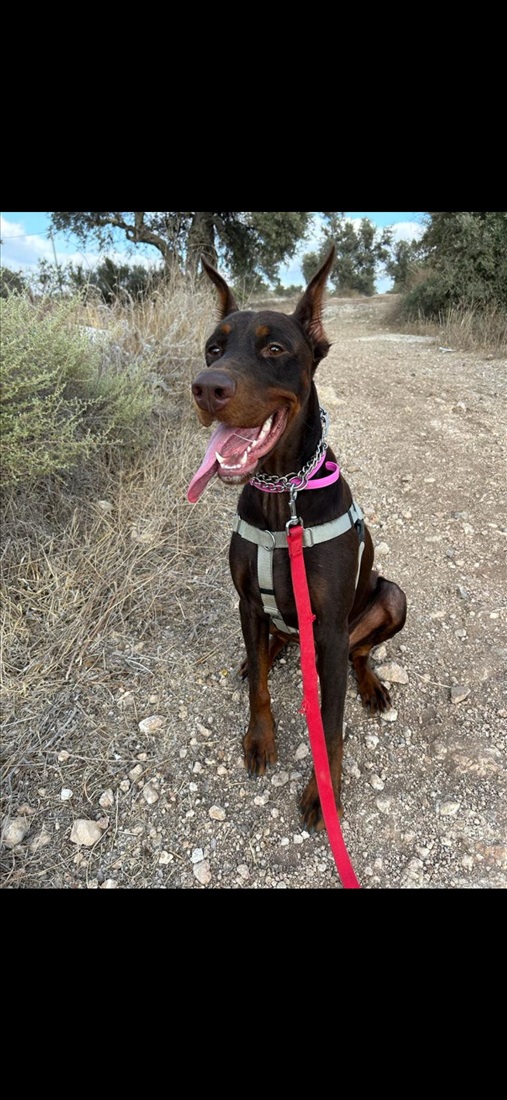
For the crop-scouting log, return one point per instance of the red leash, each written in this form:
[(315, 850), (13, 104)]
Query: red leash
[(311, 706)]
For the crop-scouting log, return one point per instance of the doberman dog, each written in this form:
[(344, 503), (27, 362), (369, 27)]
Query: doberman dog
[(271, 437)]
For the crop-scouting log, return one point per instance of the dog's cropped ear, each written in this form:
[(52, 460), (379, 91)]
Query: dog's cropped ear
[(226, 297), (309, 310)]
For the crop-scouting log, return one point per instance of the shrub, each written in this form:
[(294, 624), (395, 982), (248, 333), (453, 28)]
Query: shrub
[(63, 397), (466, 265)]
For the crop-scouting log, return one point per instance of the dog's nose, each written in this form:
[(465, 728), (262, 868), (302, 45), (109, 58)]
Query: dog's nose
[(212, 390)]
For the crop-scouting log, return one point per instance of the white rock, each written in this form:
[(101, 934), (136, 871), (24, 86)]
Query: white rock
[(302, 751), (371, 740), (448, 808), (389, 715), (14, 831), (150, 793), (383, 804), (382, 548), (165, 858), (392, 672), (152, 723), (376, 782), (380, 653), (352, 768), (106, 799), (197, 855), (217, 813), (202, 872), (280, 779), (109, 884), (136, 772), (65, 794), (243, 871), (459, 693), (85, 832)]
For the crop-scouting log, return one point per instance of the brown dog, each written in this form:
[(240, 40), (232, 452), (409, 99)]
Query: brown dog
[(259, 385)]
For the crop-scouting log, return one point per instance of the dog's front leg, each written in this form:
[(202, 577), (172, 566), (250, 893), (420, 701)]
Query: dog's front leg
[(332, 663), (259, 740)]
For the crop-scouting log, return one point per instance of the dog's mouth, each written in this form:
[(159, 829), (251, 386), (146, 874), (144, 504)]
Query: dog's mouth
[(234, 453)]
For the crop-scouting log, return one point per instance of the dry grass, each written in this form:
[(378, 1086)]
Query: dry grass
[(464, 329), (94, 565)]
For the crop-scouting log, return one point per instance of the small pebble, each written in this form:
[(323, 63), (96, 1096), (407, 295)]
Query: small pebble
[(14, 831), (150, 794), (85, 832), (202, 872), (152, 723), (448, 808), (280, 779), (459, 693), (217, 813)]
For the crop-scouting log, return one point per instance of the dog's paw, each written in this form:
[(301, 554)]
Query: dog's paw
[(374, 696), (259, 751), (311, 809)]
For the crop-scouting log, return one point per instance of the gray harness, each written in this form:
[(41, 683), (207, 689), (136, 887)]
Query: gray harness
[(269, 541)]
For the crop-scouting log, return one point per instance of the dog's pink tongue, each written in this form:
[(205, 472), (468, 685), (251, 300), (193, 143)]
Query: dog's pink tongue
[(209, 465)]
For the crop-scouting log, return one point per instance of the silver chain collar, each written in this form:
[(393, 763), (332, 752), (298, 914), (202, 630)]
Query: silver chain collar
[(285, 484)]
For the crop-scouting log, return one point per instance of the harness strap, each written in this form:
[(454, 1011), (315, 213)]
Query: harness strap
[(268, 541)]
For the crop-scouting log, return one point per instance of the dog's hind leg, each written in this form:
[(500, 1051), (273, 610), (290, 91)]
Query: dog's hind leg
[(382, 616)]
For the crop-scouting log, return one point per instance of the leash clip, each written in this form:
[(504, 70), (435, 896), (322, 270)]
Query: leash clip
[(294, 518)]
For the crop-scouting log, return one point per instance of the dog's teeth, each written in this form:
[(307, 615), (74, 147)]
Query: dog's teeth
[(219, 458), (266, 427)]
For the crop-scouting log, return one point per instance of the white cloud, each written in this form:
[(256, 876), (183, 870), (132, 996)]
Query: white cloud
[(19, 251), (407, 231), (22, 251)]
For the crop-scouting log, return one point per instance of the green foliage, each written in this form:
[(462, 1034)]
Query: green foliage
[(109, 281), (114, 281), (248, 242), (359, 252), (295, 289), (63, 398), (11, 282), (403, 265), (465, 254)]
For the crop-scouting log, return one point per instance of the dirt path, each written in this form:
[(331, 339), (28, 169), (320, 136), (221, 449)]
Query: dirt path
[(420, 435)]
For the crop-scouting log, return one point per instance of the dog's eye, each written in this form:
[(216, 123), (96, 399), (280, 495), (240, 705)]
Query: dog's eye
[(274, 349), (214, 350)]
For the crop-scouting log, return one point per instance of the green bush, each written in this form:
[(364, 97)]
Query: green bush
[(63, 398), (465, 254)]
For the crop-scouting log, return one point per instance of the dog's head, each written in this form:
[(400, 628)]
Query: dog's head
[(258, 376)]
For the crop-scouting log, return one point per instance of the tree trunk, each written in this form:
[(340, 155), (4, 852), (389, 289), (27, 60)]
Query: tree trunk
[(201, 239)]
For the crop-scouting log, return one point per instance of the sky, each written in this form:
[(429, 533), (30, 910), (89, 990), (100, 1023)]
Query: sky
[(25, 241)]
